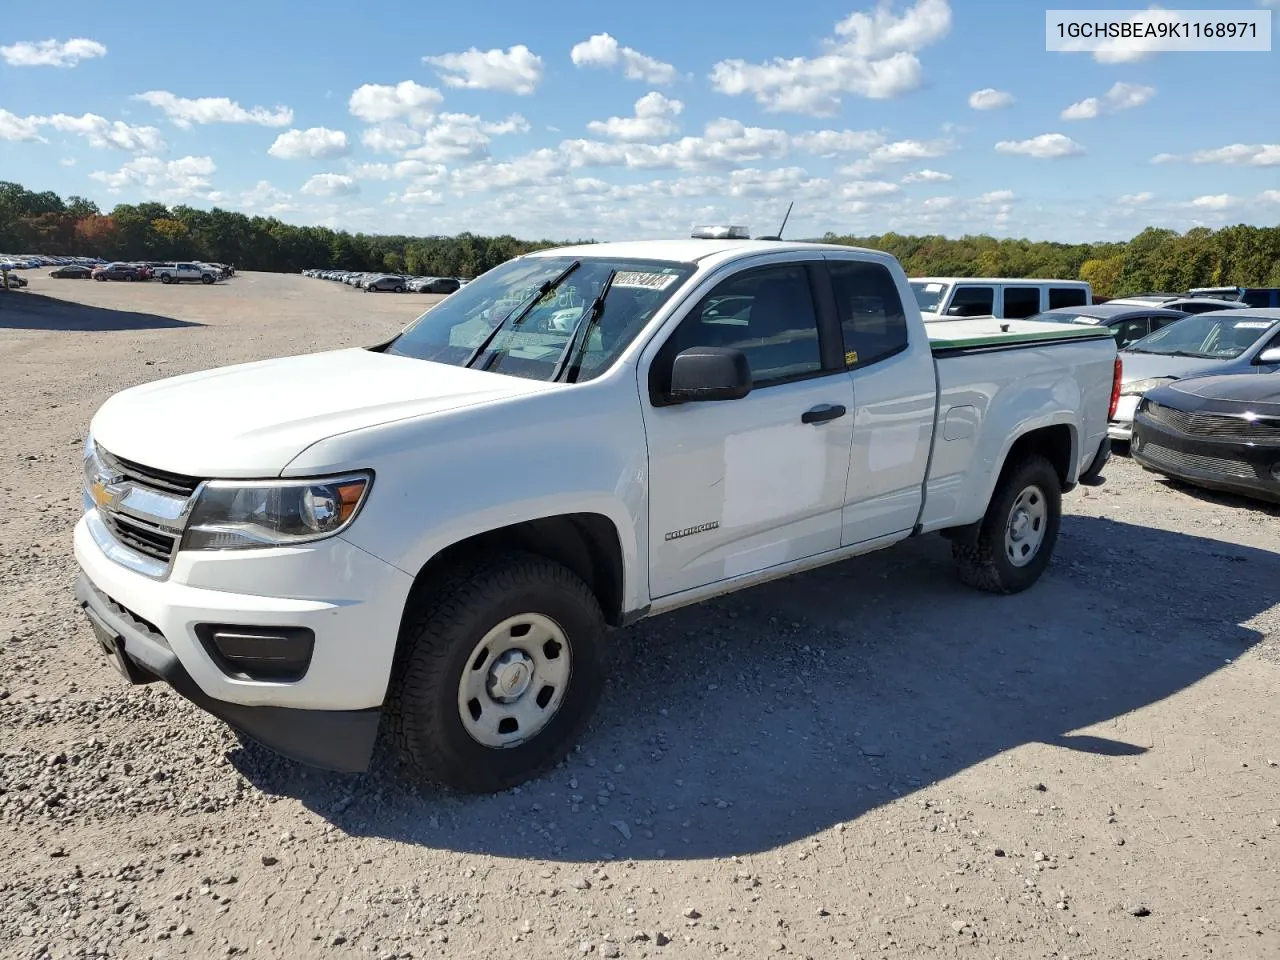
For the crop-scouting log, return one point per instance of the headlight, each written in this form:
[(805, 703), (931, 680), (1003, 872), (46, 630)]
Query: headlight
[(1137, 388), (230, 515)]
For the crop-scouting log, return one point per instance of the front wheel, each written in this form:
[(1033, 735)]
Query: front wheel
[(1012, 545), (399, 289), (501, 666), (206, 279)]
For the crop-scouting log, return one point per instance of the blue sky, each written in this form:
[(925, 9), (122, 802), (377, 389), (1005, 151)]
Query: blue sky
[(587, 120)]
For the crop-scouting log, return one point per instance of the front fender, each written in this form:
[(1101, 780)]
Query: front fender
[(443, 478)]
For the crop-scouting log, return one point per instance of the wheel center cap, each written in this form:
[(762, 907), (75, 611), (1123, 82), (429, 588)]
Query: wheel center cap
[(1019, 525), (510, 676)]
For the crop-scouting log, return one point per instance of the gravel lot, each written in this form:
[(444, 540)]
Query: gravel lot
[(865, 761)]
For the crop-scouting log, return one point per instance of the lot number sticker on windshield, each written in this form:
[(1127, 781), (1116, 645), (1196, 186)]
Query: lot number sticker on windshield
[(1252, 324), (645, 281)]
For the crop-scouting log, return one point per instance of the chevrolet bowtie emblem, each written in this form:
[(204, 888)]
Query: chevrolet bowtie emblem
[(104, 490)]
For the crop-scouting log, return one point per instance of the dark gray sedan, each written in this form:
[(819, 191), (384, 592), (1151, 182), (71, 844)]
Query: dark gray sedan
[(1128, 323)]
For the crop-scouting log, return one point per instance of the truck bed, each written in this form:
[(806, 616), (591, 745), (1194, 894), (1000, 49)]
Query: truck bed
[(950, 336)]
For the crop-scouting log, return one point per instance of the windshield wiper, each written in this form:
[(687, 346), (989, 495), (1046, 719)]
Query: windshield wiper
[(582, 329), (521, 310)]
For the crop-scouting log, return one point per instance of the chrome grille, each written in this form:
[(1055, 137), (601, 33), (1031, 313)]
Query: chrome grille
[(149, 476), (141, 537), (1215, 426), (1214, 466)]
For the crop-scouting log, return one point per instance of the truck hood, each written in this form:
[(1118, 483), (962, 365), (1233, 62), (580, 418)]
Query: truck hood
[(252, 419), (1144, 366)]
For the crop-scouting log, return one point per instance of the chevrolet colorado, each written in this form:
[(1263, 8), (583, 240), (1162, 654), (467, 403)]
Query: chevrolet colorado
[(434, 534)]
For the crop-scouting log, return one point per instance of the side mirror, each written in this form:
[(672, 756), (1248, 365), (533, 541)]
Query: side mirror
[(710, 373), (1270, 355)]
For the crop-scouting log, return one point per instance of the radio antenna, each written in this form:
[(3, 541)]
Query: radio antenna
[(785, 219)]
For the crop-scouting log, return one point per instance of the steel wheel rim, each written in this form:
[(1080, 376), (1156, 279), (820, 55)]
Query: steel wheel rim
[(1025, 530), (514, 681)]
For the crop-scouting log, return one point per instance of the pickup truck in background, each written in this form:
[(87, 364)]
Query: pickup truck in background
[(434, 534), (188, 272)]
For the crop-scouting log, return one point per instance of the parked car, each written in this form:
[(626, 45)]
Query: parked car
[(435, 285), (71, 271), (1226, 341), (116, 271), (14, 281), (186, 272), (1127, 324), (948, 298), (1182, 303), (386, 282), (1219, 432), (488, 654), (1249, 296)]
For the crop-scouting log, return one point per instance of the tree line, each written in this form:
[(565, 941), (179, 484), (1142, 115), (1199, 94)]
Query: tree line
[(1156, 259)]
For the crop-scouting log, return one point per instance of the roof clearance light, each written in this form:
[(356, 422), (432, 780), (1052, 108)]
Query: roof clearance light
[(721, 233)]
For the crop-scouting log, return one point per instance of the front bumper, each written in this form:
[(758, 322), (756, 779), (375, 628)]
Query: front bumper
[(1121, 425), (350, 600), (1233, 467), (340, 740)]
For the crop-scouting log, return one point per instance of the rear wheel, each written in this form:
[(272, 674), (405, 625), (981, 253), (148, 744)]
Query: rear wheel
[(399, 290), (501, 665), (1008, 550), (165, 278), (206, 278)]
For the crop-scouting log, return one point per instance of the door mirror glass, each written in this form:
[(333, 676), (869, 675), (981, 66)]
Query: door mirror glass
[(710, 373), (1270, 355)]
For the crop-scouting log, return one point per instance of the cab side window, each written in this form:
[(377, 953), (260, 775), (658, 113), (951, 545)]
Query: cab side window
[(870, 311), (767, 313), (1021, 302)]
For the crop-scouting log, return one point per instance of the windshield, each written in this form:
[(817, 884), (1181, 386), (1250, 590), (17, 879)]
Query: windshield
[(451, 331), (1208, 336), (928, 295), (1063, 316)]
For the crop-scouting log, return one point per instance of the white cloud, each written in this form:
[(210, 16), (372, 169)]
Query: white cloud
[(461, 136), (103, 133), (1241, 154), (421, 197), (872, 56), (517, 70), (265, 198), (184, 112), (330, 185), (828, 143), (1135, 199), (1269, 196), (162, 180), (1216, 201), (602, 50), (725, 143), (398, 171), (314, 143), (989, 98), (1047, 146), (51, 53), (996, 196), (390, 137), (14, 127), (861, 189), (1130, 50), (652, 120), (1121, 96), (406, 100), (1165, 158), (901, 151), (927, 176)]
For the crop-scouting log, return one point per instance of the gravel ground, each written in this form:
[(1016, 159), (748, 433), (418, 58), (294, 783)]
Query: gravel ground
[(864, 761)]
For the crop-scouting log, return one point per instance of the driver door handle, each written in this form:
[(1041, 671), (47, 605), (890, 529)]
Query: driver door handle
[(823, 413)]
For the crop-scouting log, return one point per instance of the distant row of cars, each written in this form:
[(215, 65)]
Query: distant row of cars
[(388, 282), (165, 272)]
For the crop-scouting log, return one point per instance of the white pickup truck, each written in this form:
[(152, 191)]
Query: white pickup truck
[(436, 532), (187, 272)]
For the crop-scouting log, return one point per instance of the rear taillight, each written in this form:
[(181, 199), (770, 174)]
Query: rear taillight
[(1115, 389)]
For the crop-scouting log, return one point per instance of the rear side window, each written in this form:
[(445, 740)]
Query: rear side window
[(870, 311), (1066, 297), (1260, 298), (1021, 302), (972, 302)]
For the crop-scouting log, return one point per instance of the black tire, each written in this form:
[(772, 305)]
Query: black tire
[(442, 625), (165, 278), (206, 278), (130, 277), (399, 289), (982, 560)]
